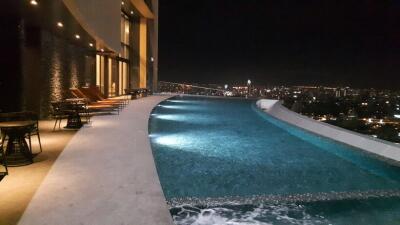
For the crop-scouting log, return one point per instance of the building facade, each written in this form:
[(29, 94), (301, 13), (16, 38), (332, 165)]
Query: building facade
[(54, 45)]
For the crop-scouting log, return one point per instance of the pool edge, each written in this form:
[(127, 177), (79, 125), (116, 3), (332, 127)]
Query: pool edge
[(383, 149)]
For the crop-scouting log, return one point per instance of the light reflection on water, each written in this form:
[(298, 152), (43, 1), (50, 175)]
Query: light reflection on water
[(222, 148), (187, 118), (177, 101), (182, 107)]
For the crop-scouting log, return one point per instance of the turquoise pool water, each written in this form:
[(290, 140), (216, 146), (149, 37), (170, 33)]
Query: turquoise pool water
[(222, 161)]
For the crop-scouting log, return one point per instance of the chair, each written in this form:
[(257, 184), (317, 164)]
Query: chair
[(144, 92), (34, 130), (95, 96), (3, 157), (96, 91), (27, 115), (58, 113), (92, 104), (4, 117), (28, 133), (134, 93)]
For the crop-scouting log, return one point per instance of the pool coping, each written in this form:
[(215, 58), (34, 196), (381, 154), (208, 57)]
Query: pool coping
[(380, 148), (89, 184)]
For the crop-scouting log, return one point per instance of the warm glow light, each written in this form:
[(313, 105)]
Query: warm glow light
[(55, 81), (77, 36), (152, 59), (188, 141), (74, 81), (123, 3), (102, 50), (34, 2), (178, 141), (131, 12), (91, 44), (169, 117), (177, 101), (168, 140), (59, 24), (171, 106), (142, 52)]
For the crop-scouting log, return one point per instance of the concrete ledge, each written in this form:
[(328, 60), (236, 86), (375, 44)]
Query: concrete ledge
[(385, 149), (106, 175)]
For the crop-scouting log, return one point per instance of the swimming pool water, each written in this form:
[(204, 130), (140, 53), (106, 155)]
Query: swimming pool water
[(221, 148)]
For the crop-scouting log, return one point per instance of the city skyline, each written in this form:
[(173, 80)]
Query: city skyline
[(346, 43)]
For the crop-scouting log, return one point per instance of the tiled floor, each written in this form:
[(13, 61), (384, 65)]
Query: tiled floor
[(105, 175), (18, 188)]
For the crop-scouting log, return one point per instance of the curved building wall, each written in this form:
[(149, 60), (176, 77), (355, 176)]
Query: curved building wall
[(154, 45), (45, 59), (54, 45), (379, 147), (100, 18)]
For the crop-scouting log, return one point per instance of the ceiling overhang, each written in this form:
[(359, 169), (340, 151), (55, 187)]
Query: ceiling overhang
[(143, 9)]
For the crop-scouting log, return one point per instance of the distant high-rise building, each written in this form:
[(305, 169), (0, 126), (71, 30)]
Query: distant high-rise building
[(341, 92)]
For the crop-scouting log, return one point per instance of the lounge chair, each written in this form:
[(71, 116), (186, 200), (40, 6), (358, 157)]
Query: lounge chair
[(136, 93), (101, 97), (94, 105), (94, 97)]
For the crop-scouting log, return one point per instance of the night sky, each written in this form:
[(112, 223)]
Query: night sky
[(290, 42)]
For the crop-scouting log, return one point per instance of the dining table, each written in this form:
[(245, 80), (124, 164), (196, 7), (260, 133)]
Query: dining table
[(73, 107), (17, 150)]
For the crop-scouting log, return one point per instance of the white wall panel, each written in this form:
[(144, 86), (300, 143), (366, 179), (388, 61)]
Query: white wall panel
[(100, 18)]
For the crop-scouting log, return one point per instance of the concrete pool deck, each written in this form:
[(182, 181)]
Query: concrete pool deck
[(105, 175)]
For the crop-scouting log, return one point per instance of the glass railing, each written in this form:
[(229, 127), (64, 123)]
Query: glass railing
[(190, 89)]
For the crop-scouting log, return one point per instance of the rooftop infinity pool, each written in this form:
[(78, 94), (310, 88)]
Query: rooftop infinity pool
[(223, 161)]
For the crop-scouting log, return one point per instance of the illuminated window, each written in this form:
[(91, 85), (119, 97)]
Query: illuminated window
[(123, 67)]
